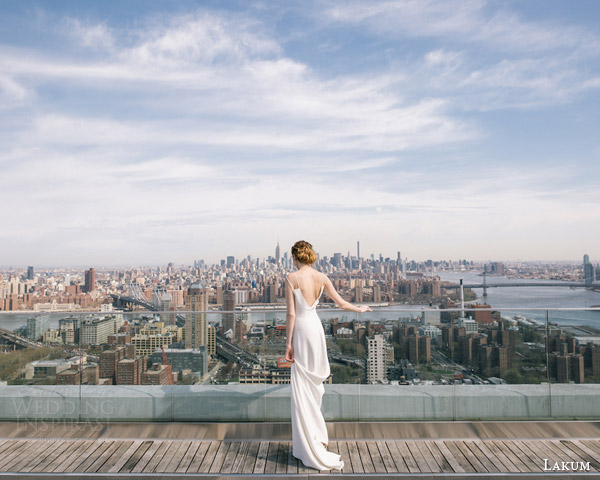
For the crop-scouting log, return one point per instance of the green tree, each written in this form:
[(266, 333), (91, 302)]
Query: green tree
[(512, 376)]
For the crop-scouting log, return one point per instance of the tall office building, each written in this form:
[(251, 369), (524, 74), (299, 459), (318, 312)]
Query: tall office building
[(376, 358), (36, 326), (30, 273), (588, 271), (596, 360), (90, 281), (358, 250), (196, 324), (229, 308), (211, 342), (278, 254)]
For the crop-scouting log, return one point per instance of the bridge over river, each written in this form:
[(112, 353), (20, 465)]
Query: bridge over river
[(485, 285)]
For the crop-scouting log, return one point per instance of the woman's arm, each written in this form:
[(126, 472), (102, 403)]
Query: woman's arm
[(340, 302), (291, 320)]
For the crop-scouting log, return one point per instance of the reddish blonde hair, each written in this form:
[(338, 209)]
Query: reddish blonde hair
[(303, 252)]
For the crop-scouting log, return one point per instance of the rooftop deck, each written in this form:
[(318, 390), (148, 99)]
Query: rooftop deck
[(263, 450)]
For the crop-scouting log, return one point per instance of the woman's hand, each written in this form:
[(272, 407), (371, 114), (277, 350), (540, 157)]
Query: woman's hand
[(364, 308), (289, 353)]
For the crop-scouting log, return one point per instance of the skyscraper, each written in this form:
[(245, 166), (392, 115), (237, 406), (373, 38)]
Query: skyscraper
[(358, 250), (588, 271), (229, 308), (30, 273), (90, 281), (277, 253), (196, 324)]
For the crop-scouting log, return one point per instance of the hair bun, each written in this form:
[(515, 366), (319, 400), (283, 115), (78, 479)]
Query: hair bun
[(303, 252)]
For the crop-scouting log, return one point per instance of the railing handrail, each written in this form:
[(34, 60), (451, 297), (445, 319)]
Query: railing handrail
[(247, 309)]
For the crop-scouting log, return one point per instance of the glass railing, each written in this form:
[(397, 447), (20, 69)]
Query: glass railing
[(402, 363)]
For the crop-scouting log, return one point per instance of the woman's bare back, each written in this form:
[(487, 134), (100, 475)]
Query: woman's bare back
[(310, 282)]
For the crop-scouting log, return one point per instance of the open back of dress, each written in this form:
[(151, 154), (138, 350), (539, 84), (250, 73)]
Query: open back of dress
[(308, 372)]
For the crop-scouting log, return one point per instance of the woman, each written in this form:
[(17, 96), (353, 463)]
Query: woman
[(307, 351)]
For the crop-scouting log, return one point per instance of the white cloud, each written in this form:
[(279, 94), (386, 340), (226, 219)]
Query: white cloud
[(96, 35), (10, 91), (198, 130)]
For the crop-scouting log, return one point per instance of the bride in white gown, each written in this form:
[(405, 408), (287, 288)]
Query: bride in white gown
[(307, 351)]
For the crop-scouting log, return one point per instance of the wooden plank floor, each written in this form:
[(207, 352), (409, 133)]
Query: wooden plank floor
[(443, 457)]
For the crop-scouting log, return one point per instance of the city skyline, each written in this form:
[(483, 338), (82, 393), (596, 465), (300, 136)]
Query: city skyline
[(148, 133)]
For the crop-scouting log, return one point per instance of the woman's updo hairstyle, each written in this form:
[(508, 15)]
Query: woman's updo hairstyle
[(304, 253)]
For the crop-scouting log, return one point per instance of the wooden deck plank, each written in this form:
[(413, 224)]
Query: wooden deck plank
[(101, 460), (7, 444), (51, 453), (386, 456), (460, 458), (178, 456), (440, 460), (89, 455), (28, 450), (500, 455), (407, 456), (432, 463), (525, 455), (303, 469), (357, 466), (199, 457), (449, 457), (131, 461), (292, 462), (187, 459), (144, 459), (365, 457), (79, 452), (343, 451), (227, 466), (217, 463), (581, 450), (376, 457), (240, 458), (261, 458), (418, 456), (473, 460), (166, 457), (13, 451), (496, 460), (250, 461), (4, 443), (505, 447), (560, 452), (79, 457), (282, 458), (594, 446), (589, 451), (333, 447), (271, 463), (209, 456), (73, 446), (536, 459), (157, 457), (117, 456), (397, 457), (489, 460), (543, 450)]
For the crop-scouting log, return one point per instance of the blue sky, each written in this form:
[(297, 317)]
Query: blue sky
[(146, 132)]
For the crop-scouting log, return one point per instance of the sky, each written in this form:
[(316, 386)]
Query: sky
[(141, 133)]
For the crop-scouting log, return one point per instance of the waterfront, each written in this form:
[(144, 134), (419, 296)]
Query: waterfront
[(509, 299)]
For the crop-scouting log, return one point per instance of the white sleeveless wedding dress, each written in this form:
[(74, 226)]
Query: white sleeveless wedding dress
[(308, 372)]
